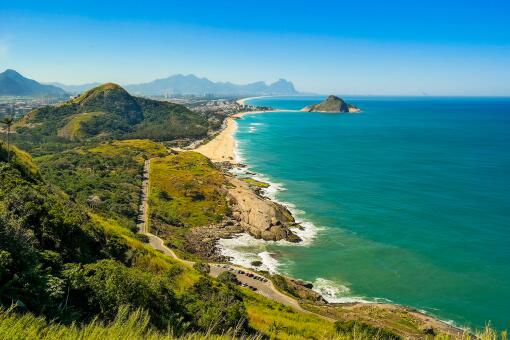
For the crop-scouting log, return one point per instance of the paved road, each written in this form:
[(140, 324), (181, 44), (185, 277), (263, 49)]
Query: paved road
[(143, 210), (246, 277)]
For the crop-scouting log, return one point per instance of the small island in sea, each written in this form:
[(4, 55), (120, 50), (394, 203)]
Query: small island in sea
[(331, 104)]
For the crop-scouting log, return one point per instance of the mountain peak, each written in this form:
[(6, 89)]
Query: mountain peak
[(104, 91), (11, 72), (333, 97), (192, 84), (12, 83)]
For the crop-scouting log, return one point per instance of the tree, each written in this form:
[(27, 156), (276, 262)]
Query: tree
[(8, 121)]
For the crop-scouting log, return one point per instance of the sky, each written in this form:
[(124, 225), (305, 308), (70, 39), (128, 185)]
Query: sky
[(342, 47)]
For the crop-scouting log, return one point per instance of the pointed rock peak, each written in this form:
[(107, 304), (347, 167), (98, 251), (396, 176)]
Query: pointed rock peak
[(332, 97), (12, 73)]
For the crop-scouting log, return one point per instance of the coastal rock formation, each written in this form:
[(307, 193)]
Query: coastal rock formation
[(259, 216), (331, 104)]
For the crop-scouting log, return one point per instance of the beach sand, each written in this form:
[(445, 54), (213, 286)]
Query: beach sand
[(222, 148)]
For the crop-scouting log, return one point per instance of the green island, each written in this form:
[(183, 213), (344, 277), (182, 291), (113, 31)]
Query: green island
[(73, 263)]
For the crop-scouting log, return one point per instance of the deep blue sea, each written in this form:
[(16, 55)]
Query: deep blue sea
[(407, 201)]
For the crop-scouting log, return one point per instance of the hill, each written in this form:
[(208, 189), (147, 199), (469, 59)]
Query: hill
[(110, 112), (190, 84), (331, 104), (66, 269), (14, 84)]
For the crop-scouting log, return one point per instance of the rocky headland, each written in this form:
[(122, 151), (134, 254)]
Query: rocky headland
[(331, 104)]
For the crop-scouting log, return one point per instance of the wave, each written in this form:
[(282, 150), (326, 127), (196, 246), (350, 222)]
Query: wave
[(244, 249), (334, 292)]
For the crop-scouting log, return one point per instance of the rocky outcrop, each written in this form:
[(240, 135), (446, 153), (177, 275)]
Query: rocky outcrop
[(259, 216), (331, 104)]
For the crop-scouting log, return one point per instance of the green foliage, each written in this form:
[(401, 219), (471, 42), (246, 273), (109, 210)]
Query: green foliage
[(227, 277), (142, 238), (100, 288), (281, 322), (105, 178), (364, 330), (215, 307), (283, 285), (255, 183), (73, 129), (186, 191), (202, 267), (105, 113), (40, 230), (19, 159)]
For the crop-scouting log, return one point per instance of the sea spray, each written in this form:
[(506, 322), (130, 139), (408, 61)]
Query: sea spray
[(334, 292), (244, 249)]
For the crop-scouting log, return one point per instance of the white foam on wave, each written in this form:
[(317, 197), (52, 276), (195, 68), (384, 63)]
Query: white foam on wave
[(335, 293), (244, 249)]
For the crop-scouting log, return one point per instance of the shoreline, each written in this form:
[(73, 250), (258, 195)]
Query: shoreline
[(223, 148)]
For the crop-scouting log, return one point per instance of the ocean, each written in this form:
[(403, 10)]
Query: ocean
[(406, 202)]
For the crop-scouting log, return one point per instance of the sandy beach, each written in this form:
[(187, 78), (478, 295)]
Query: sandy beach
[(222, 148)]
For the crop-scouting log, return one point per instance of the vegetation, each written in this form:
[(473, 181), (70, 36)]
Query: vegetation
[(186, 191), (105, 178), (59, 261), (127, 324), (108, 112), (73, 128), (19, 160), (255, 183), (281, 322), (8, 121), (68, 252)]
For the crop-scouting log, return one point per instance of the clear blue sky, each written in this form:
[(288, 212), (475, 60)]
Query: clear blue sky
[(344, 47)]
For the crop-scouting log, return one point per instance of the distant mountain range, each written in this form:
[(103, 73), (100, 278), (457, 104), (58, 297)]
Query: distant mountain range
[(110, 112), (75, 89), (191, 84), (14, 84)]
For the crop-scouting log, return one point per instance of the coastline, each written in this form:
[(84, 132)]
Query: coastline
[(223, 148)]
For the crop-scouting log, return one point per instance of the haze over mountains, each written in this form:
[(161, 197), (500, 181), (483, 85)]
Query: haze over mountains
[(14, 84), (192, 85)]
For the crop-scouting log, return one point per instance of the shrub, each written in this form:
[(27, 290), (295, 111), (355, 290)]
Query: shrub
[(363, 330), (142, 238), (215, 308), (227, 277), (202, 268)]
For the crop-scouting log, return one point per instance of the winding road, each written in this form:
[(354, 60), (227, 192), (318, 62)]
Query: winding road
[(246, 277)]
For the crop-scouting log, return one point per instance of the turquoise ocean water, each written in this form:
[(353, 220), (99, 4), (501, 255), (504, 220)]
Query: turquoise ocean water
[(408, 201)]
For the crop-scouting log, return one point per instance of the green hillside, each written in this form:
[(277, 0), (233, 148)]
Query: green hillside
[(108, 112)]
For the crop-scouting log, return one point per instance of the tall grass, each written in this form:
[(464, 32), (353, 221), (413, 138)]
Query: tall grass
[(127, 325)]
